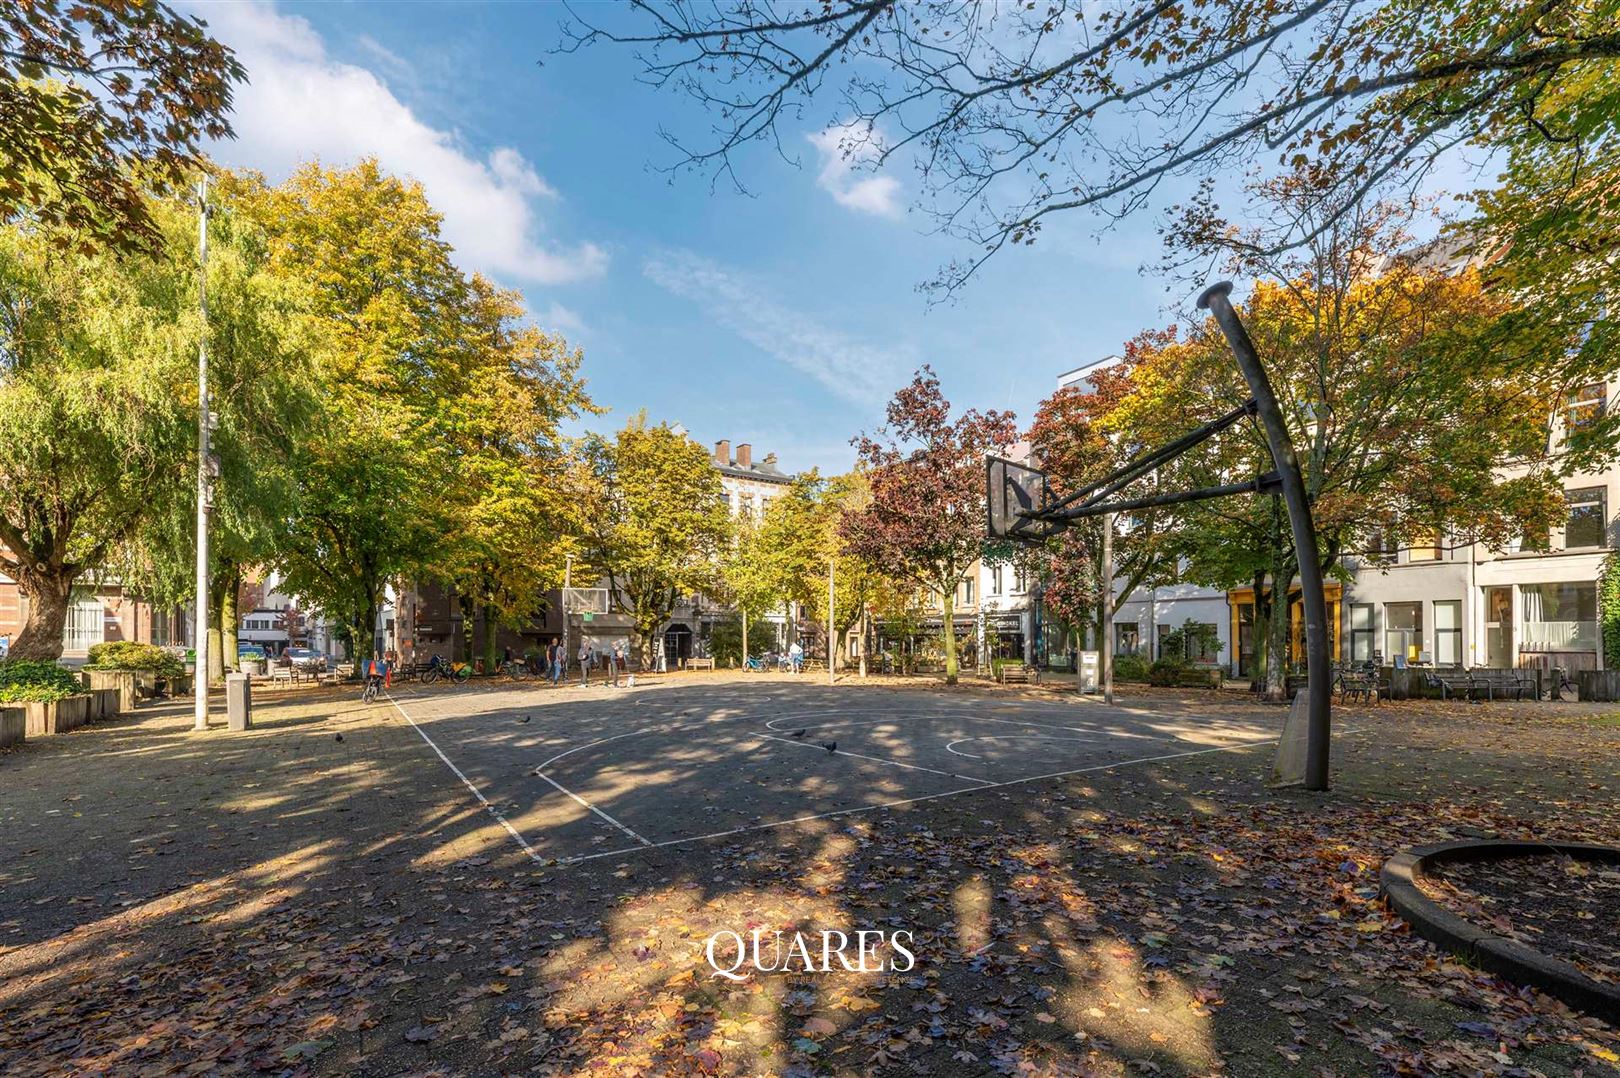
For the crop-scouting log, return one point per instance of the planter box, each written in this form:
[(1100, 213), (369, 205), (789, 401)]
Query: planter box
[(104, 703), (124, 681), (58, 718), (13, 726)]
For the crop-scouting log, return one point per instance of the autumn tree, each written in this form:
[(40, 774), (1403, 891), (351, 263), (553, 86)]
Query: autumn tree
[(749, 581), (94, 436), (801, 533), (925, 520), (656, 522), (1016, 114), (99, 103)]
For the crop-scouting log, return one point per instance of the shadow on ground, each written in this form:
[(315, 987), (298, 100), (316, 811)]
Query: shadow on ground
[(284, 901)]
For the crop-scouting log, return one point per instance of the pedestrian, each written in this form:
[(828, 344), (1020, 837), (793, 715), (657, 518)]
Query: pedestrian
[(506, 657), (796, 657), (584, 663), (616, 662), (554, 661)]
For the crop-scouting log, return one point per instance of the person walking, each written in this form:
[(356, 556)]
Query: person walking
[(796, 657), (554, 661), (616, 662), (584, 663)]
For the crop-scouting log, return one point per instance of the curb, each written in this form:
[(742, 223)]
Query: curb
[(1506, 958)]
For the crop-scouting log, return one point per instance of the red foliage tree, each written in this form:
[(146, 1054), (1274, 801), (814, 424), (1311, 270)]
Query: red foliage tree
[(925, 520)]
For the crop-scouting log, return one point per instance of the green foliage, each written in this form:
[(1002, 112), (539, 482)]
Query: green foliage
[(1609, 609), (1166, 671), (36, 681), (656, 521), (725, 641), (132, 655), (1130, 667)]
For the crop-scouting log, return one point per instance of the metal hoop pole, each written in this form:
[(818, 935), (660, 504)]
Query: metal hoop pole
[(1216, 299)]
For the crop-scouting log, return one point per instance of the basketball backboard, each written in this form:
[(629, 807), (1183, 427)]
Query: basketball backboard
[(585, 600), (1012, 492)]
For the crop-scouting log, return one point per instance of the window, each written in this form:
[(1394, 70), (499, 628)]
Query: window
[(995, 580), (1127, 638), (1560, 617), (1587, 519), (1448, 633), (84, 625), (1019, 586), (1403, 630), (1424, 549), (1585, 406), (964, 593), (1361, 632)]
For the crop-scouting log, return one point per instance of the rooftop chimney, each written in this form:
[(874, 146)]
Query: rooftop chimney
[(745, 455), (770, 460), (722, 451)]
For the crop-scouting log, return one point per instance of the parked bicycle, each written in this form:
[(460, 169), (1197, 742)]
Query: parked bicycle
[(516, 669), (442, 669), (374, 684)]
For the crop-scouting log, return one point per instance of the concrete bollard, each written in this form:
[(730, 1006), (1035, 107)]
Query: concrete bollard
[(239, 701)]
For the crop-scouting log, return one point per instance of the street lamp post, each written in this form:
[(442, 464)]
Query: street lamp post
[(204, 470)]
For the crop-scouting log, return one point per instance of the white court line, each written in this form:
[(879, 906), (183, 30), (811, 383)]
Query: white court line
[(914, 800), (877, 759), (593, 808), (482, 800), (950, 745)]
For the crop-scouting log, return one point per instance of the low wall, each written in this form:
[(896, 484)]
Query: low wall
[(124, 681), (59, 717), (104, 703), (13, 726), (1598, 684)]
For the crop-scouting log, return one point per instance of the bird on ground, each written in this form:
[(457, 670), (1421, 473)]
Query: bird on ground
[(799, 733), (525, 718), (340, 737), (830, 746)]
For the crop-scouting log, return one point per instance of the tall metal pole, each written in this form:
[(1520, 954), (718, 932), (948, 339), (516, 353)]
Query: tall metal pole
[(1319, 727), (200, 622), (832, 642), (568, 582), (1107, 642)]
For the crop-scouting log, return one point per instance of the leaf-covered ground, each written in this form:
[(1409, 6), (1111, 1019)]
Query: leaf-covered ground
[(283, 903)]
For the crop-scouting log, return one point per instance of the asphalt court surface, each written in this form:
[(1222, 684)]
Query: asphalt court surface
[(601, 772)]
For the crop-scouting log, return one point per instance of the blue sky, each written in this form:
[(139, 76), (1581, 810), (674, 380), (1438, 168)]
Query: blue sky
[(783, 318)]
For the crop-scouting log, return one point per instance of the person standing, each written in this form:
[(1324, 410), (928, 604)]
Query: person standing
[(796, 657), (584, 663), (554, 661), (616, 662)]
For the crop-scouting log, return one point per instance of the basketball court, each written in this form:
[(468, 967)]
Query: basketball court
[(606, 772)]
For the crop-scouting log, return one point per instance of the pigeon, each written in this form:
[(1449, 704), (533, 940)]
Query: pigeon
[(830, 746), (525, 718), (340, 737), (799, 733)]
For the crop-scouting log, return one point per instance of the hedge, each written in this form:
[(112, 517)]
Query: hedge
[(130, 655), (26, 681)]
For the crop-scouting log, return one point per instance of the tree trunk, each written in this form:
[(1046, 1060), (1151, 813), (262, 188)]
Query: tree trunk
[(950, 636), (1259, 635), (48, 595), (490, 638), (229, 615)]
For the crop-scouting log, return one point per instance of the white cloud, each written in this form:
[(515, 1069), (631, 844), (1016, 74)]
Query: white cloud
[(862, 373), (845, 150), (301, 103), (560, 319)]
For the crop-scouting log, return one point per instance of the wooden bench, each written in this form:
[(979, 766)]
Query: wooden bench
[(1451, 682), (1019, 673), (1505, 684), (700, 664)]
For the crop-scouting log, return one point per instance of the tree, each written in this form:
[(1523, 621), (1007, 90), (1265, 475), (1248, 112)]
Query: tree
[(96, 435), (750, 582), (925, 520), (1014, 114), (515, 512), (801, 533), (656, 522), (1404, 419), (378, 475), (98, 103)]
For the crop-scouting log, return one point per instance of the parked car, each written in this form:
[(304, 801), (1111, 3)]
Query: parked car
[(308, 658), (250, 651)]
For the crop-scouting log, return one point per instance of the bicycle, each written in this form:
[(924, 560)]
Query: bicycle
[(456, 673), (516, 669), (368, 695), (755, 664)]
